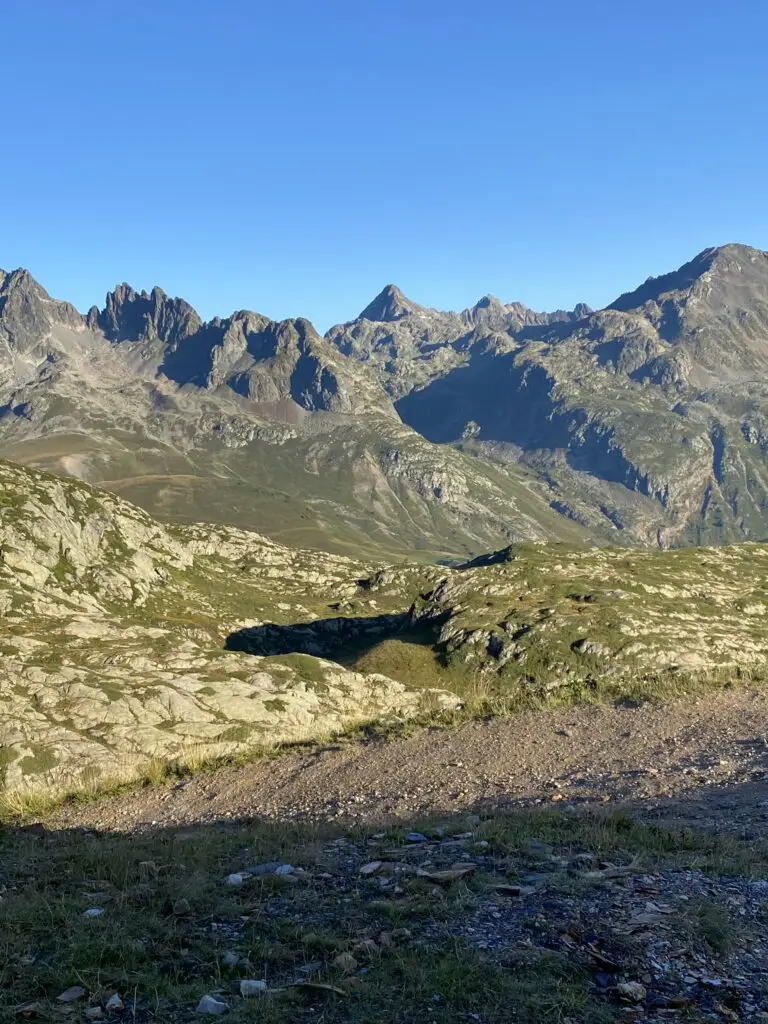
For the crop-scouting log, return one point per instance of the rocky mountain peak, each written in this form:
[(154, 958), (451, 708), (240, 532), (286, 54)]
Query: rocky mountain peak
[(129, 315), (489, 302), (27, 311), (389, 305), (725, 265)]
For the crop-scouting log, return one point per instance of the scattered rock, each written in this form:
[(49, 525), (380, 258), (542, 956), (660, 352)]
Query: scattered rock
[(70, 995), (631, 991), (269, 868), (345, 962), (115, 1003), (93, 912), (211, 1005), (371, 867), (249, 987)]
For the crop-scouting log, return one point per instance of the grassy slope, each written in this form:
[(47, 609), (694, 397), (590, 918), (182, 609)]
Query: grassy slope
[(317, 492), (168, 921)]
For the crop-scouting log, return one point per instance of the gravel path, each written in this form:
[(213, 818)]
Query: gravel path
[(702, 762)]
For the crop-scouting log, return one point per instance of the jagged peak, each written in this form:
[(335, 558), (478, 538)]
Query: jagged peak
[(129, 315), (721, 259), (390, 304), (489, 302)]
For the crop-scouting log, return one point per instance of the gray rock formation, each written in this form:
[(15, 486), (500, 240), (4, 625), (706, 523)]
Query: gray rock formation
[(647, 417), (115, 628), (642, 423), (242, 420)]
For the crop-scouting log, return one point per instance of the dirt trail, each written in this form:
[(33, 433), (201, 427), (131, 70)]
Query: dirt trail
[(701, 762)]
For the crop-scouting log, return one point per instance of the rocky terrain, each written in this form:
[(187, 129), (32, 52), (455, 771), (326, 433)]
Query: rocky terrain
[(410, 429), (127, 640), (243, 421), (646, 415), (114, 639)]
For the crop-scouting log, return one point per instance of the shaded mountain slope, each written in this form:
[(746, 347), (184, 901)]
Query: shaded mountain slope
[(246, 421), (649, 414)]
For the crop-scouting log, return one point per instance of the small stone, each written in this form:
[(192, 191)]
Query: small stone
[(371, 867), (345, 962), (94, 1012), (237, 878), (181, 907), (284, 869), (211, 1005), (416, 837), (631, 991), (69, 995), (230, 958), (269, 868), (249, 987), (115, 1003), (93, 912)]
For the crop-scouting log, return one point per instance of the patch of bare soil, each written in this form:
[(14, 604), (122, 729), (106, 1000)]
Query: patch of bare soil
[(699, 762)]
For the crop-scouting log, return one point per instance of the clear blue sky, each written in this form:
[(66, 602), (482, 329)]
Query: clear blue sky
[(294, 156)]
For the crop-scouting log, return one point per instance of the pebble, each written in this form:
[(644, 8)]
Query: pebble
[(237, 878), (211, 1005), (94, 1012), (69, 995), (631, 991), (345, 962), (93, 912), (371, 867), (250, 987), (115, 1003), (269, 868)]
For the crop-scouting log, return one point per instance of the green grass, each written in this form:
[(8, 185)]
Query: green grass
[(163, 893)]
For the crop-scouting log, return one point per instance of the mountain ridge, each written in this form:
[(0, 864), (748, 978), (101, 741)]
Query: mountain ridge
[(645, 422)]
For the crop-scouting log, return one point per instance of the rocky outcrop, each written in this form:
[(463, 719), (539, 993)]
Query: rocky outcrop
[(28, 315), (144, 316), (639, 414), (114, 648)]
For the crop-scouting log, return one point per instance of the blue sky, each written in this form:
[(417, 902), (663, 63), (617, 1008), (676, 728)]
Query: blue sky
[(294, 157)]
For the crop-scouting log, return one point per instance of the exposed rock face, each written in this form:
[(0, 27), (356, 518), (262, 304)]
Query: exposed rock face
[(407, 345), (127, 639), (115, 628), (648, 415), (645, 423), (27, 314), (247, 421), (142, 316)]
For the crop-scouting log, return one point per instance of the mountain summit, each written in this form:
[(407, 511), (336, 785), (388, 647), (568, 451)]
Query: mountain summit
[(389, 305), (644, 423)]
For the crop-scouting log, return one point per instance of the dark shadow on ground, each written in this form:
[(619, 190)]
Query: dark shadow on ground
[(479, 911), (342, 639)]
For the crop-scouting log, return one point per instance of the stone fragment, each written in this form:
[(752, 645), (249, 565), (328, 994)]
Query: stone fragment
[(250, 987), (211, 1005), (631, 991), (71, 994), (371, 867)]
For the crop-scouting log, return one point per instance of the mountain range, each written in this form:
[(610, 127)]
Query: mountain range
[(410, 429)]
